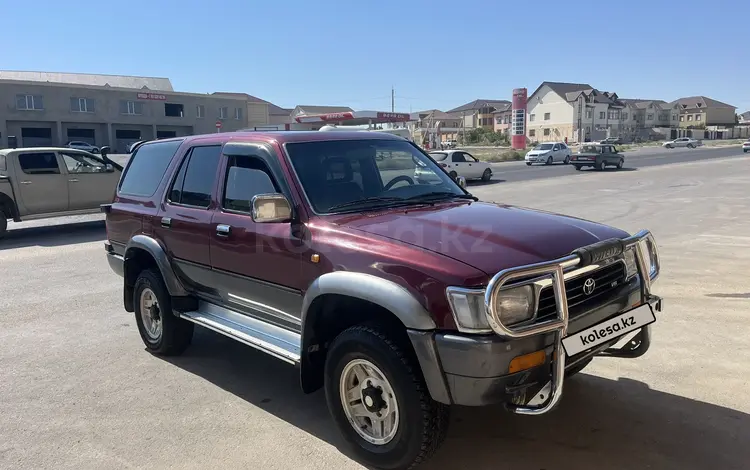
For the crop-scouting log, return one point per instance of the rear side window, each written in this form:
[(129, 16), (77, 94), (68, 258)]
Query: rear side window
[(458, 157), (194, 182), (42, 163), (147, 167)]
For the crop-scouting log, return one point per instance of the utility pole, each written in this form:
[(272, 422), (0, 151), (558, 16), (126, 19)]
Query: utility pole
[(393, 100)]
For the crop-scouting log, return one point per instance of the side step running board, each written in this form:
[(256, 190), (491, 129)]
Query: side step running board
[(271, 339)]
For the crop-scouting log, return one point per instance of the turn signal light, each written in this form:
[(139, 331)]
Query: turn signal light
[(527, 361)]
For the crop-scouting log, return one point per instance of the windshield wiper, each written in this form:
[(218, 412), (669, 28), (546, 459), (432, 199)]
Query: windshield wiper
[(373, 200), (439, 195)]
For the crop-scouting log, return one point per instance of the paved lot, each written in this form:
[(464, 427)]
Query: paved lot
[(79, 391)]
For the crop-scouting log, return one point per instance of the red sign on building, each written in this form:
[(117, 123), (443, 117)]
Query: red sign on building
[(394, 116), (152, 96)]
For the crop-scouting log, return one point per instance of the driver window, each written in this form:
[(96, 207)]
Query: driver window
[(556, 147), (470, 158), (247, 177), (458, 157), (77, 164)]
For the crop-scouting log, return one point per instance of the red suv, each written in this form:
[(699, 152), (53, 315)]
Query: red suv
[(398, 297)]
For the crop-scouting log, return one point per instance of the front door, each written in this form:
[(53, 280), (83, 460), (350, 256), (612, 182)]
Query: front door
[(258, 266), (183, 221), (90, 182), (43, 186), (474, 169)]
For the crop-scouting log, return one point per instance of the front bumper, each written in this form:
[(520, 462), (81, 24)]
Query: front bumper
[(475, 370)]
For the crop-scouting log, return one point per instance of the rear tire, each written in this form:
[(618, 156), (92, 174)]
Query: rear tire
[(578, 167), (528, 163), (453, 175), (669, 147), (690, 146), (487, 175), (3, 224), (385, 366), (162, 332)]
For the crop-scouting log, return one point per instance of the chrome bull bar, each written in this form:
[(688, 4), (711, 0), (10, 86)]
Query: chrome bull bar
[(645, 249)]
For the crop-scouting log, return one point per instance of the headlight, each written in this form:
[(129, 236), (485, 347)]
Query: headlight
[(650, 258), (468, 310), (515, 305), (631, 267)]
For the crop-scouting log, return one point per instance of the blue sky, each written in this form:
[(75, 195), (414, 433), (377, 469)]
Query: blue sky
[(436, 54)]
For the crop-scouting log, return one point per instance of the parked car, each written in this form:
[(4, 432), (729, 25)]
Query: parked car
[(548, 153), (688, 142), (44, 182), (746, 146), (398, 298), (611, 140), (598, 156), (80, 145), (456, 163)]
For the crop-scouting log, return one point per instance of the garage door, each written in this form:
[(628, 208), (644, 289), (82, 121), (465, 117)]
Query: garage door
[(124, 138), (36, 136), (82, 135)]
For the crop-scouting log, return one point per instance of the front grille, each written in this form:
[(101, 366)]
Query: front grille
[(607, 279)]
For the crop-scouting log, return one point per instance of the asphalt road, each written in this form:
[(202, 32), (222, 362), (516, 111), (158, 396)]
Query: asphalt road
[(78, 391), (634, 160)]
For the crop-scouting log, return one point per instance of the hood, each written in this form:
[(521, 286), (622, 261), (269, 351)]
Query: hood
[(486, 236)]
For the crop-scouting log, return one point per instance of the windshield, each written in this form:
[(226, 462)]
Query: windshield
[(361, 174), (439, 156), (543, 147)]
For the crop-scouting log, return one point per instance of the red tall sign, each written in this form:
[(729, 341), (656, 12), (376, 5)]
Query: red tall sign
[(518, 129)]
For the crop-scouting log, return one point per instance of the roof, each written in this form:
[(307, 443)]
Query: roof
[(503, 109), (283, 137), (562, 88), (694, 102), (571, 91), (313, 109), (437, 114), (745, 116), (644, 104), (478, 104), (273, 110), (116, 81)]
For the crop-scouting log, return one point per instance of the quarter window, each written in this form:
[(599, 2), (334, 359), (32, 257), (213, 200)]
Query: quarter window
[(195, 179), (147, 167)]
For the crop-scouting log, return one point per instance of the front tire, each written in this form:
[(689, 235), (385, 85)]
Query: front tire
[(162, 332), (601, 166), (567, 160), (619, 164), (669, 147), (690, 146), (549, 161), (487, 175), (3, 224), (528, 163), (377, 397)]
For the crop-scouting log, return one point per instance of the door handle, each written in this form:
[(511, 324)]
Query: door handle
[(166, 222), (25, 182), (74, 180), (223, 230)]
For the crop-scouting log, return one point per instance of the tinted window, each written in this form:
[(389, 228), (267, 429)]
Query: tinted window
[(199, 177), (39, 163), (82, 163), (175, 193), (146, 168), (458, 157), (246, 177)]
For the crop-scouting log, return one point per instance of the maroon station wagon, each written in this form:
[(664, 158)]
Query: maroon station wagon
[(399, 298)]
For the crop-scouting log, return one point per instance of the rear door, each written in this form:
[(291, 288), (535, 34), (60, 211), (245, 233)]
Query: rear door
[(90, 182), (183, 222), (42, 185)]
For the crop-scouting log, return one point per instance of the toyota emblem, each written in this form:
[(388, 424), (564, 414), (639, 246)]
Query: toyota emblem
[(589, 286)]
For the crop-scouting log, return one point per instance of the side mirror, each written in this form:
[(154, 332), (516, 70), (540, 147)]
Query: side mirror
[(104, 151), (461, 181), (269, 208), (109, 168)]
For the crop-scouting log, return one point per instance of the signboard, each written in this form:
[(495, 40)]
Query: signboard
[(394, 116), (518, 136), (218, 124), (152, 96)]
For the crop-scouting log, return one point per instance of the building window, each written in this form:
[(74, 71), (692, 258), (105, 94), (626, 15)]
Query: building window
[(134, 108), (674, 117), (588, 129), (223, 112), (588, 114), (649, 117), (697, 117), (174, 110), (682, 118), (546, 116), (238, 114), (531, 117), (200, 111), (532, 132), (81, 105), (690, 117), (602, 115), (624, 116), (546, 132), (29, 102)]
